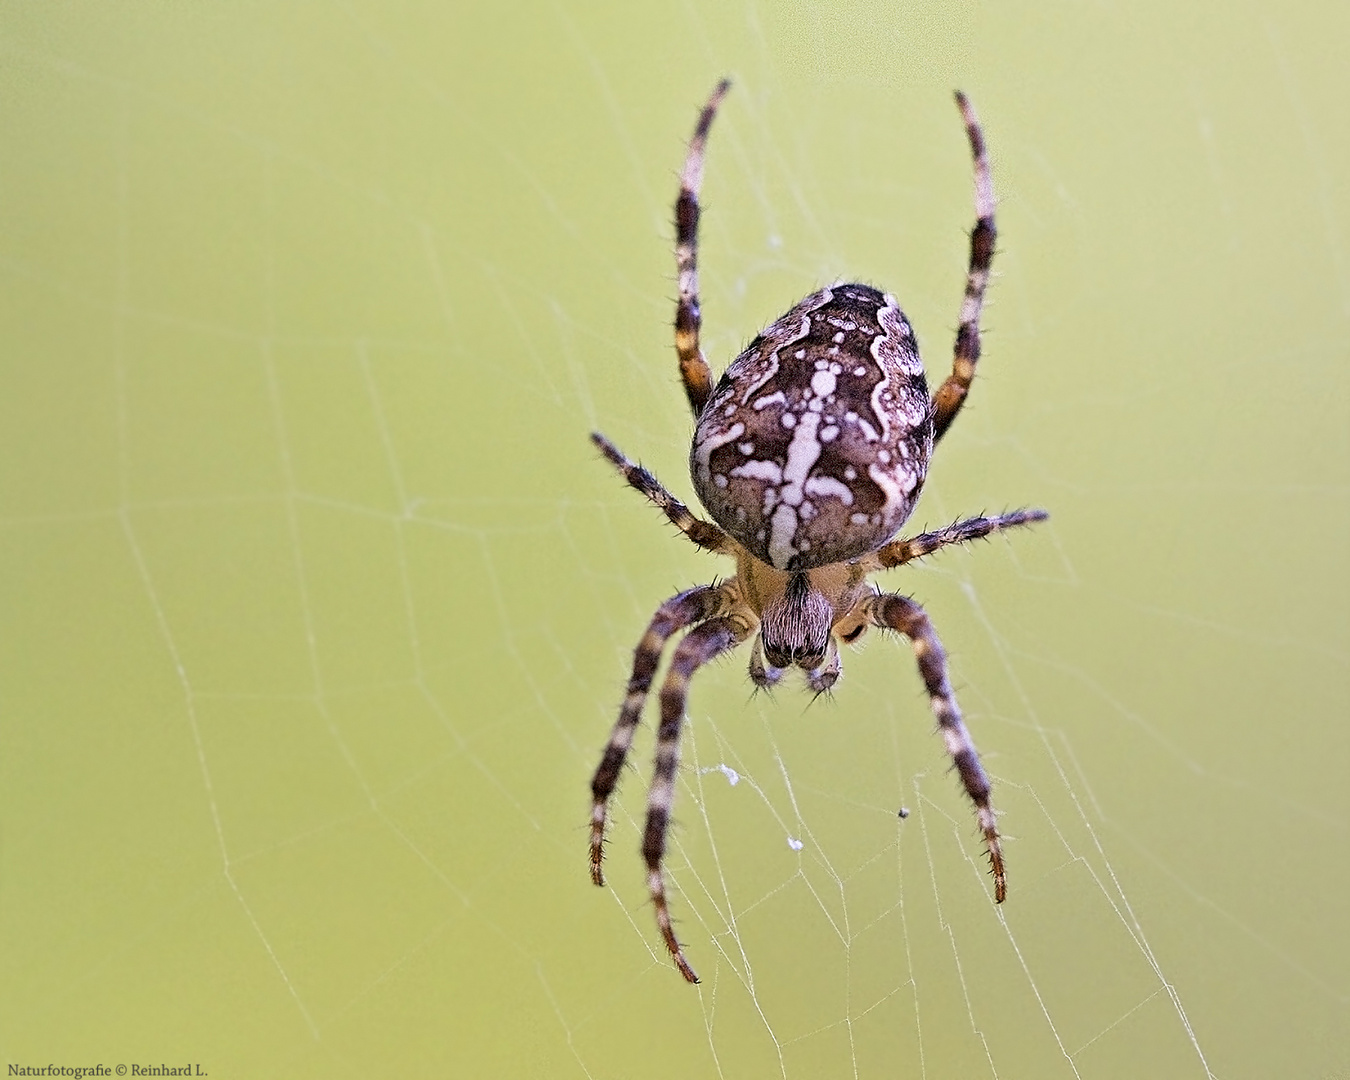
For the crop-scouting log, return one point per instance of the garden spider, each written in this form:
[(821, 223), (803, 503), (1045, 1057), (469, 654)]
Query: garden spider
[(810, 455)]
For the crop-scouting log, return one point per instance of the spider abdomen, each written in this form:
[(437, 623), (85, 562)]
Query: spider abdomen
[(814, 446)]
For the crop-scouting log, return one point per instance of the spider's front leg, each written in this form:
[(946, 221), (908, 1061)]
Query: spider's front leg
[(893, 612), (674, 615), (702, 644)]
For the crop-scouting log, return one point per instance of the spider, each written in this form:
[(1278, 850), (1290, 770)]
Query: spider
[(809, 455)]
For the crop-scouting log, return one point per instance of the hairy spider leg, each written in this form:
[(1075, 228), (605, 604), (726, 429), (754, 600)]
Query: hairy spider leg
[(694, 370), (951, 394), (907, 549), (893, 612), (703, 533), (700, 645), (685, 609)]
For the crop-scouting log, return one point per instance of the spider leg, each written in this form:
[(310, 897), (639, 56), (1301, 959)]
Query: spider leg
[(685, 609), (703, 533), (966, 353), (907, 549), (900, 613), (694, 370), (700, 645)]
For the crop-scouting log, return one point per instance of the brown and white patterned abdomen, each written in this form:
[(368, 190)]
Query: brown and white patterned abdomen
[(815, 444)]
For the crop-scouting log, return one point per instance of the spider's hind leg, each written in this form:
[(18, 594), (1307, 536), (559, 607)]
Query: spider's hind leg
[(694, 370), (952, 393)]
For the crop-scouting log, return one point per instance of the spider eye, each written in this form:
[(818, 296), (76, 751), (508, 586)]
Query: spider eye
[(795, 628)]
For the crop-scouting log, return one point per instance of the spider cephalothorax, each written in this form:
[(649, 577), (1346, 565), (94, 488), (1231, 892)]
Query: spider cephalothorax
[(809, 455)]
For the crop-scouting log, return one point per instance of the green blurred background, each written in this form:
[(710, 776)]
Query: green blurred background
[(316, 603)]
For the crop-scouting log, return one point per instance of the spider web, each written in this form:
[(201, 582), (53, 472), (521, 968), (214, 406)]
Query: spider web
[(317, 605)]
